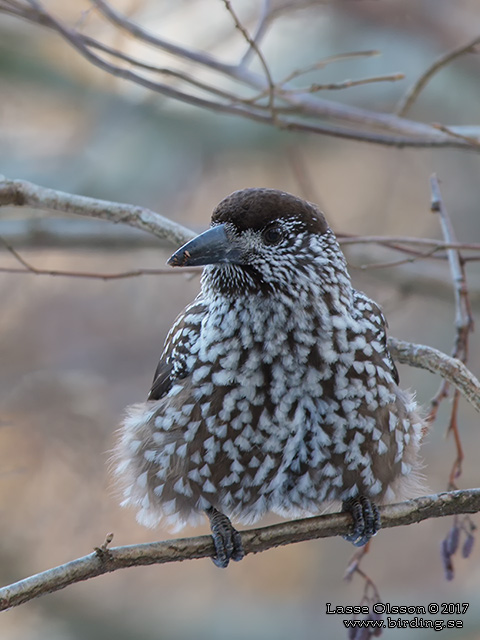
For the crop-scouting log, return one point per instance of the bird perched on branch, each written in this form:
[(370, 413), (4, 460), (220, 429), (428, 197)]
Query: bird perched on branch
[(275, 391)]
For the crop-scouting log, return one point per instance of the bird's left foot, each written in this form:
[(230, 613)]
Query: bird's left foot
[(227, 540), (366, 520)]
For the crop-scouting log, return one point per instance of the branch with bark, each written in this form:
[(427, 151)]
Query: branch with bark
[(105, 560), (21, 193), (257, 96)]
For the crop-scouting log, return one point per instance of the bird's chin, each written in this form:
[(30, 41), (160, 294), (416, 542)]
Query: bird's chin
[(231, 278)]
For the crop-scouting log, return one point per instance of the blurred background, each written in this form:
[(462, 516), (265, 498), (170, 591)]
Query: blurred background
[(75, 352)]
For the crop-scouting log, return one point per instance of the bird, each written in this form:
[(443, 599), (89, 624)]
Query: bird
[(276, 391)]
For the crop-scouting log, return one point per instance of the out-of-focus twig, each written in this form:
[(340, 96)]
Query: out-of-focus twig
[(321, 64), (260, 31), (345, 84), (252, 43), (29, 268), (298, 111), (468, 139), (413, 92), (463, 323)]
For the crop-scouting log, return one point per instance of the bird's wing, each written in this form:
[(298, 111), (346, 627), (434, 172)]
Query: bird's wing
[(378, 331), (383, 338), (179, 352)]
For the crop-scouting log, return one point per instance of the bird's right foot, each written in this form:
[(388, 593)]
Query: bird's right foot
[(227, 540), (366, 520)]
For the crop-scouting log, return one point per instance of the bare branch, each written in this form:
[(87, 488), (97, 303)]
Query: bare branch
[(254, 47), (106, 560), (463, 325), (390, 129), (321, 64), (345, 84), (417, 255), (191, 271), (78, 42), (474, 141), (344, 238), (22, 193), (145, 36), (29, 268), (463, 315), (414, 91), (433, 360), (260, 31)]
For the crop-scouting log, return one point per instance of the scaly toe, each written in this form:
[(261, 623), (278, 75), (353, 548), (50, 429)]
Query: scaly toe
[(227, 540), (366, 520)]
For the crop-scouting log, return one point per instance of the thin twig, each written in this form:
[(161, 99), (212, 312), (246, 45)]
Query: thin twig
[(21, 193), (383, 240), (142, 34), (78, 42), (397, 132), (260, 31), (321, 64), (468, 139), (254, 46), (345, 84), (209, 88), (254, 541), (29, 268), (191, 271), (463, 323), (413, 92), (355, 560), (396, 263)]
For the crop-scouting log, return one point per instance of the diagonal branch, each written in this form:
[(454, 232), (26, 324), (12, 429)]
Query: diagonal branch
[(309, 110), (435, 361), (105, 560), (260, 31), (22, 193), (413, 92), (254, 47)]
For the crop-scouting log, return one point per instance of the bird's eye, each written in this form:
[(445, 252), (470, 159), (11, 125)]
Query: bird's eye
[(272, 235)]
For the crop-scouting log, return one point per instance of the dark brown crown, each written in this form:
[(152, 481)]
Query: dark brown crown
[(256, 208)]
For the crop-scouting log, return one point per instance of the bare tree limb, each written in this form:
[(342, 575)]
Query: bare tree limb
[(463, 325), (21, 193), (105, 560), (433, 360), (309, 110)]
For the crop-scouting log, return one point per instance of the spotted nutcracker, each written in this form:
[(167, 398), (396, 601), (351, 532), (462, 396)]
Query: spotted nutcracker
[(275, 391)]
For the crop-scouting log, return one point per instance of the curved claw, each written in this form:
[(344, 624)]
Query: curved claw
[(366, 520), (227, 540)]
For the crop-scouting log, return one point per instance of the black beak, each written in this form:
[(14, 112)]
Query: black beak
[(210, 247)]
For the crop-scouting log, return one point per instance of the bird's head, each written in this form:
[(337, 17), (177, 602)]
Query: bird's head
[(265, 240)]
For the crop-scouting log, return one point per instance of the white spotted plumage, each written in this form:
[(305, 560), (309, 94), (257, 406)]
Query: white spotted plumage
[(279, 391)]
